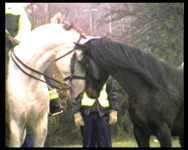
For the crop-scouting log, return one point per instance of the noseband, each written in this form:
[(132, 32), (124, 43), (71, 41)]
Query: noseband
[(73, 76)]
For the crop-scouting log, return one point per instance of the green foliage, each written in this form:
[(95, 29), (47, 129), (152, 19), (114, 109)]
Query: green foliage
[(164, 35), (125, 143), (154, 27)]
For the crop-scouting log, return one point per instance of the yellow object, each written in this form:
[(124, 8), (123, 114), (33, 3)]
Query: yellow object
[(53, 94), (86, 101), (113, 117), (103, 101), (78, 119)]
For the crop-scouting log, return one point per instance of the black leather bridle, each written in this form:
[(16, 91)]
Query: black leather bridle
[(61, 86), (23, 67), (73, 76)]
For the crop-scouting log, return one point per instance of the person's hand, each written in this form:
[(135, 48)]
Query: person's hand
[(113, 117), (78, 119)]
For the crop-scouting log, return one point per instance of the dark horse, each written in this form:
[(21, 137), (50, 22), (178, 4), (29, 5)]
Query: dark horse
[(155, 89)]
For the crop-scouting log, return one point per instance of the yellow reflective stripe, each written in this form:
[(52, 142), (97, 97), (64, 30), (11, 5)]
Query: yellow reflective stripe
[(86, 101), (104, 102), (53, 94), (103, 94)]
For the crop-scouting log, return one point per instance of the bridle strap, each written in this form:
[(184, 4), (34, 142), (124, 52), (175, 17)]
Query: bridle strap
[(40, 73), (71, 77), (74, 77), (78, 41), (35, 71), (34, 76), (64, 54)]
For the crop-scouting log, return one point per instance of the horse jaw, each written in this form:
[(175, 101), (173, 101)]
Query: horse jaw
[(77, 87)]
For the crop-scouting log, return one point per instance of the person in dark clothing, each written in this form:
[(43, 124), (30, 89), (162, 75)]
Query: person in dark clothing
[(95, 116)]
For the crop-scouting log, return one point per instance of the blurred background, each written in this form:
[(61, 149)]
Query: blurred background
[(154, 27)]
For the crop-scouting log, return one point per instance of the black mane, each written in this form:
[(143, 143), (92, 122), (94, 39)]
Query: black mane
[(112, 56)]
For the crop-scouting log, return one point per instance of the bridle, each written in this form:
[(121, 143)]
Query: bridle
[(72, 76), (61, 86), (19, 63)]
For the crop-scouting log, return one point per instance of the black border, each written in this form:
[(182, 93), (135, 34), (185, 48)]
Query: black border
[(2, 51)]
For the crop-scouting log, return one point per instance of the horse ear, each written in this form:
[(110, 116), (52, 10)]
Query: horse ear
[(79, 46)]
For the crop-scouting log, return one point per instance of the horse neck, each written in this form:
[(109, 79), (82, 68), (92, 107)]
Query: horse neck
[(63, 64), (39, 49), (38, 59)]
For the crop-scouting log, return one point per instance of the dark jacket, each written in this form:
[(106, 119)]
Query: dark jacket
[(113, 90)]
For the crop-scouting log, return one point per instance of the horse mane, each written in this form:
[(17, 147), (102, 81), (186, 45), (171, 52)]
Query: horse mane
[(112, 55)]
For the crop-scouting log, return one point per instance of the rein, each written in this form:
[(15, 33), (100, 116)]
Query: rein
[(37, 72), (72, 76), (15, 58), (69, 52)]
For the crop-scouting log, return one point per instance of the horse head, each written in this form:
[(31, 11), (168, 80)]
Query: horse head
[(95, 76)]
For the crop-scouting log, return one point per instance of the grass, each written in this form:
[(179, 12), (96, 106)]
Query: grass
[(132, 143), (129, 143)]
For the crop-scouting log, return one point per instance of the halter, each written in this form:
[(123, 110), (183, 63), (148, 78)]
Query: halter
[(65, 86)]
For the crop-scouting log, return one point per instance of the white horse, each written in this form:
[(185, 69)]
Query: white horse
[(27, 102)]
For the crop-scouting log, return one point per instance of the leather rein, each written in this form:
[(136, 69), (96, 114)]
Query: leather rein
[(61, 86)]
